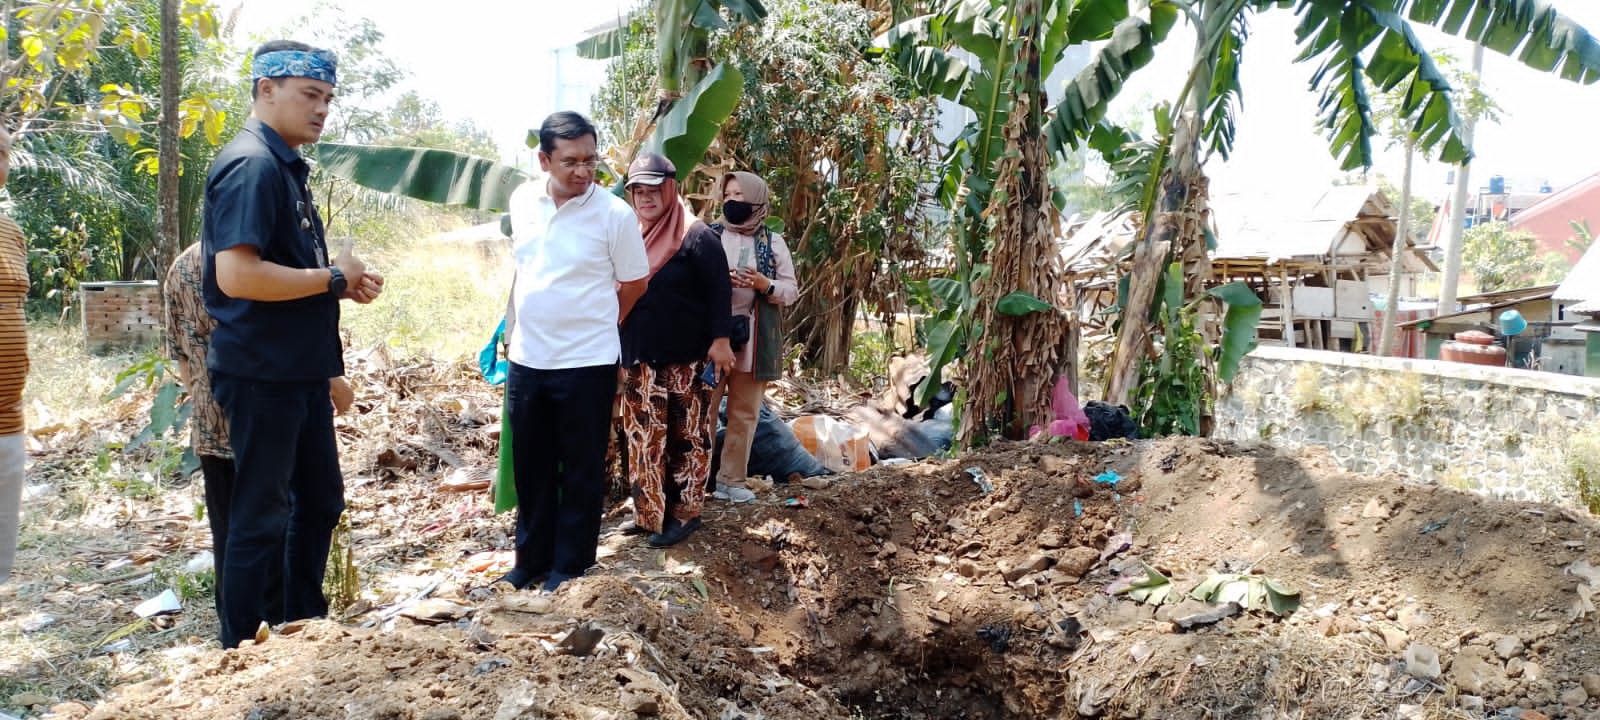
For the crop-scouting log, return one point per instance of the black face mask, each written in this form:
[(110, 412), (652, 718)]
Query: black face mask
[(738, 211)]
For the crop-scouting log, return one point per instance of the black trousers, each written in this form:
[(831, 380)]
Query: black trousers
[(287, 499), (218, 475), (560, 426)]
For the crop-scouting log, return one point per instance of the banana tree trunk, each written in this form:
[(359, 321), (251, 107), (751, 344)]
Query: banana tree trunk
[(1402, 244), (1013, 362), (1176, 230)]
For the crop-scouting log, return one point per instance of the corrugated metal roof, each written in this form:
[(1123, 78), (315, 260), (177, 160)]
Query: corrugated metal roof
[(1583, 283), (1273, 228)]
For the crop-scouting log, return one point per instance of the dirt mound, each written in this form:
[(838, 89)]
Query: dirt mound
[(910, 592)]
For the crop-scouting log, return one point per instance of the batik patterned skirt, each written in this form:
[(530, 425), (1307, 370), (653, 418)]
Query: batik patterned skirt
[(666, 441)]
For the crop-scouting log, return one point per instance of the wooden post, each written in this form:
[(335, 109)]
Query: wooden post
[(1288, 306)]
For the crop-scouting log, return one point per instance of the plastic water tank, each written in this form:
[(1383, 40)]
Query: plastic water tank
[(1473, 347), (1497, 184)]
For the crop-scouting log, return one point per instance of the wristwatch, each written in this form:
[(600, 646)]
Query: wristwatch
[(771, 286), (337, 283)]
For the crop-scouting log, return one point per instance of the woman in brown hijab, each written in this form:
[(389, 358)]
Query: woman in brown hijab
[(762, 273), (678, 327)]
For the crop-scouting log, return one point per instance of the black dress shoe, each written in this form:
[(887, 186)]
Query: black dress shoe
[(520, 578), (673, 531), (555, 580), (631, 527)]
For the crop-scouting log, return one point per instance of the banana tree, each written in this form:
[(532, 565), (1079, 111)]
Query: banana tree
[(683, 40), (999, 307), (1358, 46), (683, 133)]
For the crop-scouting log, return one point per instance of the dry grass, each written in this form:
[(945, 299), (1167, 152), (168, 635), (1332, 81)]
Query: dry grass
[(441, 299), (65, 383), (94, 507)]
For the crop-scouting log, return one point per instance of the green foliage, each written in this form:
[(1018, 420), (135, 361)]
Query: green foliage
[(1500, 258), (83, 195), (1582, 237), (687, 130), (437, 176), (1174, 389), (170, 408), (1239, 323), (1021, 303), (1583, 460), (869, 357), (949, 305)]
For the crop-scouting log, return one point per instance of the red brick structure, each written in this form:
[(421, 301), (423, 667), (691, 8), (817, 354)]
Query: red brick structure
[(120, 313)]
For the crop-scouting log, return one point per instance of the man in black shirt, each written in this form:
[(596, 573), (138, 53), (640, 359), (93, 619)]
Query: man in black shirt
[(274, 290)]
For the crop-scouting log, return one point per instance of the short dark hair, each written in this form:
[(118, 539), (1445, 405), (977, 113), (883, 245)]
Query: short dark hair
[(275, 46), (564, 125)]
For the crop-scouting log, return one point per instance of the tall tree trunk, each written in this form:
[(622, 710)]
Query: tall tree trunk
[(1402, 245), (167, 168), (1451, 275), (1176, 231), (1013, 361)]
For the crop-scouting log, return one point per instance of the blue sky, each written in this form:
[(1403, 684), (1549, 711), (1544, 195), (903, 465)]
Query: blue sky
[(498, 63)]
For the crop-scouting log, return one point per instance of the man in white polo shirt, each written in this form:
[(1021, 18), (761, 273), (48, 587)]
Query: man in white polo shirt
[(581, 264)]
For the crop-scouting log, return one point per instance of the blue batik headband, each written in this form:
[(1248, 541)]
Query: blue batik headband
[(314, 64)]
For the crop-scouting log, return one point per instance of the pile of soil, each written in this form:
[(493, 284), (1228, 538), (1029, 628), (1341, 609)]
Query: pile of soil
[(932, 591)]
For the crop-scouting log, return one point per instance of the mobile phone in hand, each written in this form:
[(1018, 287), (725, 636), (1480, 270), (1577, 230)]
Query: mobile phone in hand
[(710, 375)]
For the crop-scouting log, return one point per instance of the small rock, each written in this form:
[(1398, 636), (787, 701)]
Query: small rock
[(1191, 613), (1575, 697), (1591, 684), (1016, 569), (761, 558), (1052, 538), (1514, 668), (1395, 638), (292, 627), (581, 640), (640, 702), (524, 603), (1532, 672), (1057, 465), (1476, 676), (1422, 662), (36, 622), (1472, 704), (1412, 617), (1077, 561), (939, 616), (29, 699), (1508, 646), (967, 568), (1375, 510), (1409, 712)]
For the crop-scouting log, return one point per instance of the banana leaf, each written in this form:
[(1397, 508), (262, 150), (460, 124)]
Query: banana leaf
[(1132, 46), (687, 131), (1239, 325), (605, 44), (438, 176)]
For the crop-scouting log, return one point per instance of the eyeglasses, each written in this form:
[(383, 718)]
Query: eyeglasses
[(570, 164)]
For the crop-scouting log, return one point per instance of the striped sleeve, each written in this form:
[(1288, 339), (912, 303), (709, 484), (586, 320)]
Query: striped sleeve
[(13, 325)]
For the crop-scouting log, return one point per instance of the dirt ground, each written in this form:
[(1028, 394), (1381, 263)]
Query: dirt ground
[(901, 592)]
